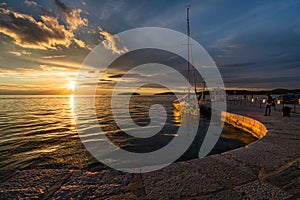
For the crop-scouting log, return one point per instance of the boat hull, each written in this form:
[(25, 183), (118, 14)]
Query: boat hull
[(187, 107)]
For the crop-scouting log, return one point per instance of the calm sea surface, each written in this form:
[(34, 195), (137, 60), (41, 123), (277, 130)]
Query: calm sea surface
[(40, 132)]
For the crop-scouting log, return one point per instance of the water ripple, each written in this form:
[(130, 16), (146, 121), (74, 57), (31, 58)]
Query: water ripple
[(40, 132)]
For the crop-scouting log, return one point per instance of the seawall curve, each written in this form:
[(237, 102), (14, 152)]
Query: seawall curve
[(250, 125), (265, 169)]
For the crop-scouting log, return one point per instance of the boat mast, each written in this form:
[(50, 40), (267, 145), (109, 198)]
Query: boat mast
[(188, 43), (203, 92)]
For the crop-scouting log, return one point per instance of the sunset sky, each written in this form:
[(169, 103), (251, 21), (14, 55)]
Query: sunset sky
[(255, 44)]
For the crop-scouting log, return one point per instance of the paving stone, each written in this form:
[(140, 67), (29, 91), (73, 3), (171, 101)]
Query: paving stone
[(278, 138), (103, 177), (5, 174), (20, 194), (253, 156), (136, 186), (179, 180), (88, 185), (288, 178), (224, 195), (87, 191), (228, 173), (236, 164), (259, 190), (283, 147), (75, 192), (293, 187), (127, 196), (30, 184)]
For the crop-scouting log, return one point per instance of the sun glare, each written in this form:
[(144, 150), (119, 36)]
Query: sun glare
[(72, 85)]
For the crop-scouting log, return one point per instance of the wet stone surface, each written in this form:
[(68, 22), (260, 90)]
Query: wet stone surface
[(266, 169)]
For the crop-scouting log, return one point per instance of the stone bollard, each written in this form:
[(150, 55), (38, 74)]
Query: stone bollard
[(286, 111)]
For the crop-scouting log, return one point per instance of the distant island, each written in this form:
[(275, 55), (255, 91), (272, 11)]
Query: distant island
[(247, 92), (128, 93), (165, 93), (274, 91)]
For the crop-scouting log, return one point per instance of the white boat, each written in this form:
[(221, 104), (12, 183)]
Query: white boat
[(188, 104)]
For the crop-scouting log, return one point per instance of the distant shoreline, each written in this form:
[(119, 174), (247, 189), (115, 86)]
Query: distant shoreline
[(229, 92)]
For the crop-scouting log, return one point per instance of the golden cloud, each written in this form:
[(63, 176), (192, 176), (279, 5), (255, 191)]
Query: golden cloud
[(46, 74), (52, 68), (72, 16), (19, 53), (54, 56), (74, 20), (113, 43), (29, 33)]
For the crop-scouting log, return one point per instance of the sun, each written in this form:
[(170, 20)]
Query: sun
[(72, 85)]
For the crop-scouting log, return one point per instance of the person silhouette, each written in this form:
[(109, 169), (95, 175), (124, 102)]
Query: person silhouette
[(268, 105)]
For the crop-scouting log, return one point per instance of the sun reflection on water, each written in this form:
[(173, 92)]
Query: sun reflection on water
[(72, 103), (72, 109)]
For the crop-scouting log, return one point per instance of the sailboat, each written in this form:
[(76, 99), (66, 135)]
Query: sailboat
[(187, 104)]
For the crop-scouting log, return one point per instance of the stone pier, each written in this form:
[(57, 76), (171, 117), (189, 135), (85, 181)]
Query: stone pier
[(266, 169)]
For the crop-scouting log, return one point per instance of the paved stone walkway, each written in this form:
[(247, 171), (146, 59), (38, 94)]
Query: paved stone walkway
[(266, 169)]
